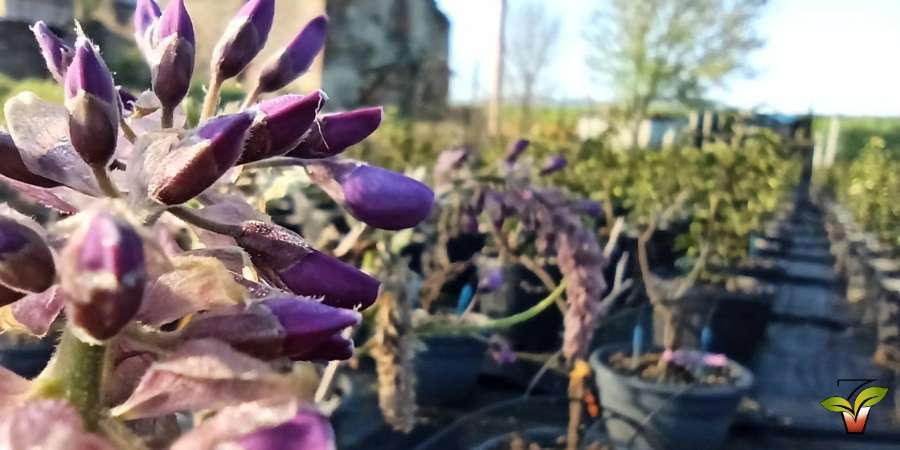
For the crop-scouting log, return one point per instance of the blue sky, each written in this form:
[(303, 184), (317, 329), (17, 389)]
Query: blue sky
[(834, 56)]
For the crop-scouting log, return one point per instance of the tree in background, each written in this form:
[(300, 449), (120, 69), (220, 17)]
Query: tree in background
[(529, 50), (669, 49)]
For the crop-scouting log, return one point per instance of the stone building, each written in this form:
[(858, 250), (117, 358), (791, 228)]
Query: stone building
[(379, 52)]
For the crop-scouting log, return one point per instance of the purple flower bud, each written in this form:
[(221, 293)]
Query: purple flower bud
[(282, 123), (57, 54), (309, 324), (200, 159), (12, 165), (516, 149), (146, 13), (26, 263), (285, 256), (333, 348), (296, 58), (334, 133), (93, 104), (501, 350), (552, 164), (104, 273), (309, 430), (244, 38), (127, 99), (376, 196), (492, 282), (173, 63)]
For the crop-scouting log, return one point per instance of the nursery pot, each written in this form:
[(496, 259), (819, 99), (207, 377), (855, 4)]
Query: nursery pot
[(540, 334), (680, 416), (446, 371), (739, 324)]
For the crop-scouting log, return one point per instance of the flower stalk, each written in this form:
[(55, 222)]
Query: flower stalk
[(78, 370)]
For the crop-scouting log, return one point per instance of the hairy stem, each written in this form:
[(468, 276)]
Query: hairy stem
[(192, 218), (168, 117), (212, 99), (79, 369), (106, 184), (252, 97)]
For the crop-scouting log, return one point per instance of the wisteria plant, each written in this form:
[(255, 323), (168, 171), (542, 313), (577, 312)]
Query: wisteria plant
[(179, 304)]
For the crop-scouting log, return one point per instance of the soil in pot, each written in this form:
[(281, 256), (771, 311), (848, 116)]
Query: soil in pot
[(683, 415), (447, 370), (540, 438)]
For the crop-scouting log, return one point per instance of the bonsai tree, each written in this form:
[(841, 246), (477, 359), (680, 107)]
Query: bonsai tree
[(156, 327)]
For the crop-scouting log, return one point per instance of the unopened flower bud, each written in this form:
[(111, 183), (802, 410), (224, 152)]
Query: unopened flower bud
[(376, 196), (26, 263), (305, 271), (281, 124), (296, 58), (334, 133), (174, 51), (492, 282), (12, 165), (311, 325), (104, 273), (146, 13), (309, 430), (245, 36), (93, 104), (57, 54), (199, 160), (553, 164), (516, 149)]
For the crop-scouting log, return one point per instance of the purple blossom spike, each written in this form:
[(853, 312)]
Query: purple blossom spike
[(553, 164), (57, 54), (310, 325), (495, 205), (296, 58), (380, 198), (516, 149), (173, 60), (282, 123), (103, 272), (286, 259), (26, 263), (588, 207), (244, 38), (199, 160), (93, 104), (12, 165), (309, 430), (334, 133)]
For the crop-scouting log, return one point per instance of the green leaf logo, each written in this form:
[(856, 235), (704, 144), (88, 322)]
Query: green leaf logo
[(868, 397), (838, 404)]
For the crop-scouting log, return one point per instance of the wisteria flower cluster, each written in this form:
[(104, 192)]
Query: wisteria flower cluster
[(173, 294)]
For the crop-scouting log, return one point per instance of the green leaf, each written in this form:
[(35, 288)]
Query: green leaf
[(869, 397), (837, 404)]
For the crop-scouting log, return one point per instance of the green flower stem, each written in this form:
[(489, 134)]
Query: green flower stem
[(496, 324), (78, 371), (192, 218)]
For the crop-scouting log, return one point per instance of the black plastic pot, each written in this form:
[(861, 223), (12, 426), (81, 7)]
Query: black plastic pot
[(540, 334), (739, 324), (26, 360), (447, 370), (683, 417)]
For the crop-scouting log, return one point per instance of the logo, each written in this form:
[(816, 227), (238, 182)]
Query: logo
[(855, 416)]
